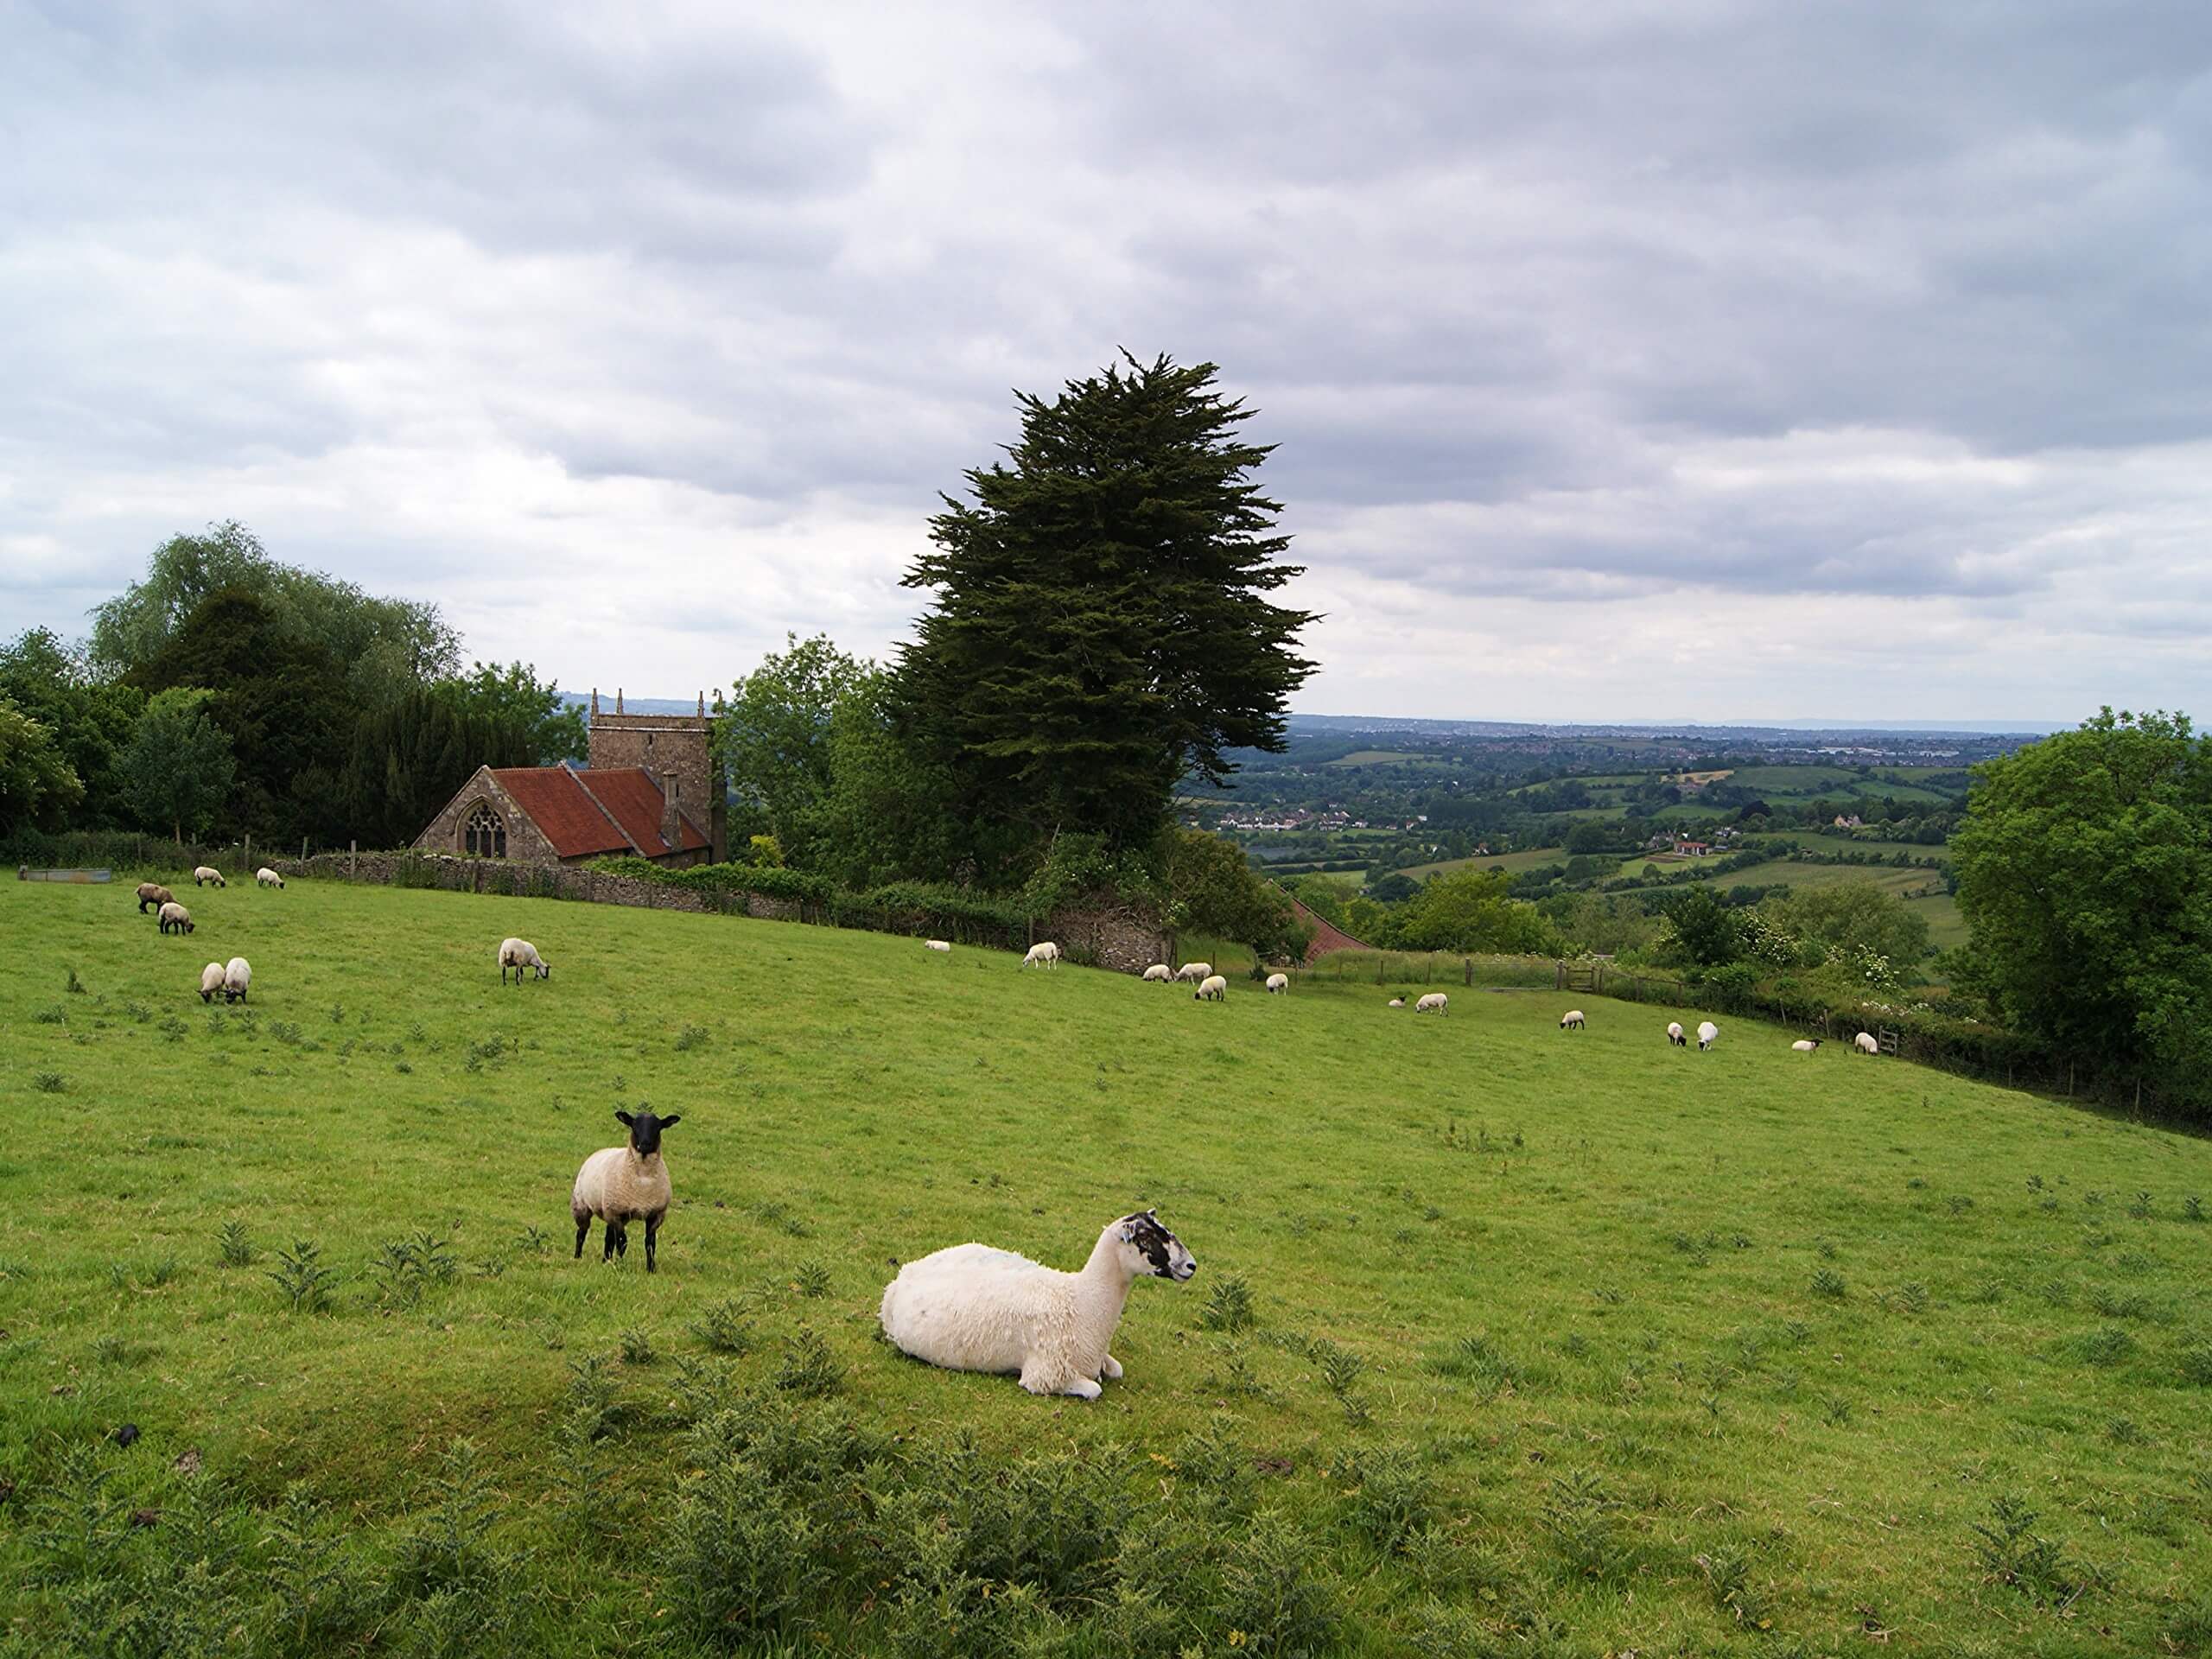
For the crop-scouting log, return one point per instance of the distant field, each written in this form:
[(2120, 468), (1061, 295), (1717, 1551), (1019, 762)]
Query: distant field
[(1394, 757), (1947, 928), (1791, 872), (1842, 844), (1512, 863)]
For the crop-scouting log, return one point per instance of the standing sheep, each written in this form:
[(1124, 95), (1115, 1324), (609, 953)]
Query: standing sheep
[(1045, 954), (1804, 1045), (1573, 1020), (268, 878), (1707, 1035), (1278, 984), (173, 917), (1434, 1002), (1213, 988), (1159, 971), (207, 874), (973, 1309), (238, 974), (519, 954), (1867, 1043), (152, 896), (620, 1184), (1674, 1038), (1194, 970), (210, 980)]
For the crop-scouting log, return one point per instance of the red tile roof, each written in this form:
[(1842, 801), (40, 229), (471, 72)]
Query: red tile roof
[(562, 809), (635, 802)]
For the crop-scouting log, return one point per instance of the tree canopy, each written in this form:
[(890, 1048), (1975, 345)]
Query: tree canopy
[(89, 716), (513, 699), (177, 770), (38, 787)]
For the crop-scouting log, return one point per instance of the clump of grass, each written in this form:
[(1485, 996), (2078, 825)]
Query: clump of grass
[(48, 1083), (2196, 1365), (690, 1037), (1835, 1411), (637, 1347), (2140, 1206), (72, 986), (2108, 1345), (1958, 1203), (2125, 1431), (810, 1278), (1229, 1307), (51, 1016), (2012, 1552), (162, 1271), (305, 1282), (285, 1032), (778, 1214), (724, 1328), (408, 1268), (2192, 1208), (1583, 1520), (1341, 1370), (809, 1369), (112, 1350), (1389, 1497), (1828, 1283)]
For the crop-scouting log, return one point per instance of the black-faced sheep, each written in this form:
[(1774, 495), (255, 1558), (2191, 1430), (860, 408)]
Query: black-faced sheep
[(620, 1184), (1573, 1020), (152, 896), (268, 878), (1434, 1002), (208, 875), (521, 955), (173, 917), (237, 977)]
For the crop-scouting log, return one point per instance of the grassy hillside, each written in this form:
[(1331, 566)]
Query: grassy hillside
[(1513, 863), (1555, 1343)]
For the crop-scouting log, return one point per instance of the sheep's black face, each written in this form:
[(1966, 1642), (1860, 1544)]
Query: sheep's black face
[(1163, 1252), (645, 1130)]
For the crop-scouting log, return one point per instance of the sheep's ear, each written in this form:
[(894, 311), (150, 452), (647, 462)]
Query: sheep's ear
[(671, 1120), (624, 1115)]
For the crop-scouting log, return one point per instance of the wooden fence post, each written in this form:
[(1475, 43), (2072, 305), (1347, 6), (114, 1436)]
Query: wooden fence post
[(353, 860), (1469, 965)]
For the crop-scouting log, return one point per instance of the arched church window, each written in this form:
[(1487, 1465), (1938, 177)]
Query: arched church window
[(484, 834)]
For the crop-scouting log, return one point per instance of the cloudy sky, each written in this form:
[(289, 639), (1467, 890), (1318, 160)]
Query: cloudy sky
[(1635, 358)]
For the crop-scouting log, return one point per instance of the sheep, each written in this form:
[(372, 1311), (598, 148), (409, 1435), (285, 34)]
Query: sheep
[(519, 954), (973, 1309), (1194, 970), (1707, 1035), (205, 873), (1674, 1038), (1867, 1043), (1278, 984), (152, 896), (937, 945), (1159, 971), (1397, 1002), (1213, 987), (210, 980), (238, 974), (1804, 1045), (268, 878), (173, 917), (1573, 1020), (1434, 1002), (1045, 954), (620, 1184)]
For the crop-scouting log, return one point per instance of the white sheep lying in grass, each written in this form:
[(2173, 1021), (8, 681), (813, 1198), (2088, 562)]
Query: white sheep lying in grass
[(237, 977), (1804, 1045), (210, 980), (520, 953), (620, 1184), (1159, 972), (268, 878), (1045, 954), (1278, 983), (1214, 988), (1194, 970), (1397, 1002), (937, 945), (973, 1309), (208, 875), (1674, 1038), (1434, 1002), (173, 917), (1707, 1034), (1573, 1020)]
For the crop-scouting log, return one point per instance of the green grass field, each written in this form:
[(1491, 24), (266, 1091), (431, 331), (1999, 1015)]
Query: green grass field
[(1513, 863), (1546, 1343)]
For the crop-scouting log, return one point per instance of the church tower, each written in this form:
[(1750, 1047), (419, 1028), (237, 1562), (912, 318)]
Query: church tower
[(677, 750)]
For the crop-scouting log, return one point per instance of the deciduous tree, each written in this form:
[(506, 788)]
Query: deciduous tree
[(178, 769)]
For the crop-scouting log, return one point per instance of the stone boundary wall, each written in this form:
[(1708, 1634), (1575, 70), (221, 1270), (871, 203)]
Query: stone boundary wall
[(1113, 937)]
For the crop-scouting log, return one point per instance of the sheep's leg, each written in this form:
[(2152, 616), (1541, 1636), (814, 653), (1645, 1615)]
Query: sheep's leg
[(622, 1240), (583, 1232), (652, 1238), (1112, 1369), (1083, 1389), (614, 1234)]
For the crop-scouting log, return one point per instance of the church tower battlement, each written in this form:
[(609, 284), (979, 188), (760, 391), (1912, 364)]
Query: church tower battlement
[(676, 748)]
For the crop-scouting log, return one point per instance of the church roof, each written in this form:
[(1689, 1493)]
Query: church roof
[(587, 812), (635, 802)]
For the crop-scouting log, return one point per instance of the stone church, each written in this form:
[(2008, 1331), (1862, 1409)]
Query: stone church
[(650, 787)]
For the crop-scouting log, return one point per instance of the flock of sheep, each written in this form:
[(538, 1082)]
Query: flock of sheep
[(229, 980)]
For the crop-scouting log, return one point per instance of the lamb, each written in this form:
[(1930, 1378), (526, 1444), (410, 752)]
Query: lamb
[(1397, 1002), (1707, 1035), (1160, 971), (210, 980), (1804, 1045), (1045, 954), (173, 917), (1213, 987), (1278, 984), (268, 878), (1434, 1002), (1573, 1020), (238, 974), (1194, 970), (205, 873), (519, 954), (937, 945), (620, 1184), (1867, 1043), (973, 1309), (152, 896), (1674, 1038)]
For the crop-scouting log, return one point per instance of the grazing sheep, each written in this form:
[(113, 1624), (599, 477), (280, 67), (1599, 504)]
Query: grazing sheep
[(1805, 1044), (519, 954), (1573, 1020), (620, 1184), (207, 873), (1214, 988), (1674, 1038), (173, 917), (1707, 1035), (1434, 1002), (973, 1309), (268, 878), (937, 945), (1160, 971), (238, 974), (1194, 970), (1867, 1043), (1278, 984), (1397, 1002), (210, 980), (1043, 954), (152, 896)]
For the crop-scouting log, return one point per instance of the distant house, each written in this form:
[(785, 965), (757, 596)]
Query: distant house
[(1692, 849), (1852, 823), (1659, 844)]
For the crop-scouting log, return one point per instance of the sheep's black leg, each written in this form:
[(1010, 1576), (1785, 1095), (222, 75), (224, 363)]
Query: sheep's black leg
[(583, 1232), (652, 1237), (614, 1238), (622, 1240)]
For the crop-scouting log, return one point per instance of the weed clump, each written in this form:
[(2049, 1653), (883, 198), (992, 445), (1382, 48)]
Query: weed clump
[(306, 1283), (1229, 1307)]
